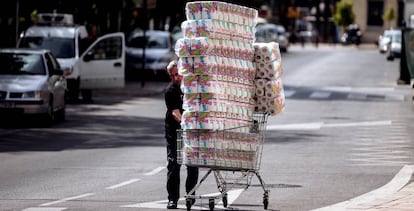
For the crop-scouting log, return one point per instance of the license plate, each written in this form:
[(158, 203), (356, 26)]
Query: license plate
[(6, 105)]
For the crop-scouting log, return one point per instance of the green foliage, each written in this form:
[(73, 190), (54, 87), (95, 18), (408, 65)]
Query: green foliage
[(389, 15), (344, 16)]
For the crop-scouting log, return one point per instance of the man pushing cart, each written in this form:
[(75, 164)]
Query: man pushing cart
[(230, 86)]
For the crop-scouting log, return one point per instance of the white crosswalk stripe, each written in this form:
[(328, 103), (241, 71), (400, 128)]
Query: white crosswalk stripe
[(320, 95), (372, 147)]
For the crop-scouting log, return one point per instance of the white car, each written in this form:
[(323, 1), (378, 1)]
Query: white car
[(269, 32), (384, 40), (100, 65), (31, 82), (394, 46), (158, 53)]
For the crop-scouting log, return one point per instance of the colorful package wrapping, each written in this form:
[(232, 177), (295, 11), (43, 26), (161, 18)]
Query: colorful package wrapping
[(271, 70), (267, 52), (269, 91), (221, 11), (217, 29), (204, 46)]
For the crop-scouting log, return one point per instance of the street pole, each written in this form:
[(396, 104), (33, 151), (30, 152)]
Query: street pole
[(143, 76), (17, 22), (404, 74)]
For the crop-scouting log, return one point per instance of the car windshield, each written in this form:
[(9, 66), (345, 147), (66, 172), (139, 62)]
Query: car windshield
[(60, 47), (155, 42), (21, 64), (396, 37)]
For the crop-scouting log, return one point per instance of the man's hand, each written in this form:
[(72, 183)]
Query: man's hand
[(177, 115)]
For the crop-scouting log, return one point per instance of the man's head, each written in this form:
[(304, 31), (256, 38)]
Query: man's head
[(172, 70)]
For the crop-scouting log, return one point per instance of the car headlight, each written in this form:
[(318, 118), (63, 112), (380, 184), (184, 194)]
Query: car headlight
[(31, 94)]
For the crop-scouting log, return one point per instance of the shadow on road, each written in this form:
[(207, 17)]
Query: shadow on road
[(82, 132)]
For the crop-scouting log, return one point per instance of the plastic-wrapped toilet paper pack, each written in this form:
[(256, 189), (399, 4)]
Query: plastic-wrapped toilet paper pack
[(189, 84), (276, 105), (206, 148), (217, 29), (267, 52), (191, 101), (190, 148), (189, 47), (273, 88), (272, 106), (260, 87), (271, 70), (203, 46), (221, 11)]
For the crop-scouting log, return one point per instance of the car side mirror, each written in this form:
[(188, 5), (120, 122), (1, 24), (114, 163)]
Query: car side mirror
[(88, 56)]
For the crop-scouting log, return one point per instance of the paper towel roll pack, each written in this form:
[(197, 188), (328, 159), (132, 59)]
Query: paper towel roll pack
[(269, 91), (267, 52)]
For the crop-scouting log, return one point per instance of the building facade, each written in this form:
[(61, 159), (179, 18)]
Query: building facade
[(369, 16)]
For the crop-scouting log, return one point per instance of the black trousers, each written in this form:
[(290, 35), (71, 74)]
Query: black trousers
[(173, 175)]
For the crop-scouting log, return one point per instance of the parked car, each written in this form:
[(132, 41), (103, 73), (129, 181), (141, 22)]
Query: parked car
[(352, 35), (31, 82), (158, 53), (383, 41), (306, 32), (70, 44), (394, 46), (269, 32)]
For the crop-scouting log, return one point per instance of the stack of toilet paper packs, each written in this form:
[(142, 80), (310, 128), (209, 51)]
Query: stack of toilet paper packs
[(216, 59), (270, 97)]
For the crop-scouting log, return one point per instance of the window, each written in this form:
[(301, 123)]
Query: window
[(109, 48), (375, 11)]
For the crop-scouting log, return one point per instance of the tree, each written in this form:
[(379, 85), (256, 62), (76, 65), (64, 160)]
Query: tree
[(389, 16), (344, 16)]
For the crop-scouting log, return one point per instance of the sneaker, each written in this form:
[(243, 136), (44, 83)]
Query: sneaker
[(172, 205)]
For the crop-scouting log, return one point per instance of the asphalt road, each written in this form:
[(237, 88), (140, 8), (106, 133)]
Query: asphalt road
[(346, 130)]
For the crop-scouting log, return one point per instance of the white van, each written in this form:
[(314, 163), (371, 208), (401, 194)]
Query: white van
[(100, 65)]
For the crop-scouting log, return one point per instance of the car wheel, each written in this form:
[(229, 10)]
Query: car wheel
[(49, 117), (390, 57), (61, 114)]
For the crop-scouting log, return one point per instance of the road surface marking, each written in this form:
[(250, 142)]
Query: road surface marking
[(320, 125), (392, 187), (320, 95), (357, 96), (360, 124), (232, 195), (300, 126), (289, 93), (122, 184), (45, 209), (67, 199), (155, 171)]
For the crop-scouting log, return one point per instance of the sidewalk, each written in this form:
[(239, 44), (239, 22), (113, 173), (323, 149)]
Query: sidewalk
[(134, 89)]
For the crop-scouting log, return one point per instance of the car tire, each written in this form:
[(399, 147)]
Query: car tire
[(390, 57), (61, 114), (50, 116)]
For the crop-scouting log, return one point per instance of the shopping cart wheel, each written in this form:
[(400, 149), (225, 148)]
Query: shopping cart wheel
[(224, 200), (265, 200), (211, 204), (188, 204)]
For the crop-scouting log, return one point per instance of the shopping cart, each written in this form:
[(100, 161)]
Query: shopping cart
[(232, 155)]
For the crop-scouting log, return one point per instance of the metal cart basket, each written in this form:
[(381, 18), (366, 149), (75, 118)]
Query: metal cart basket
[(232, 155)]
